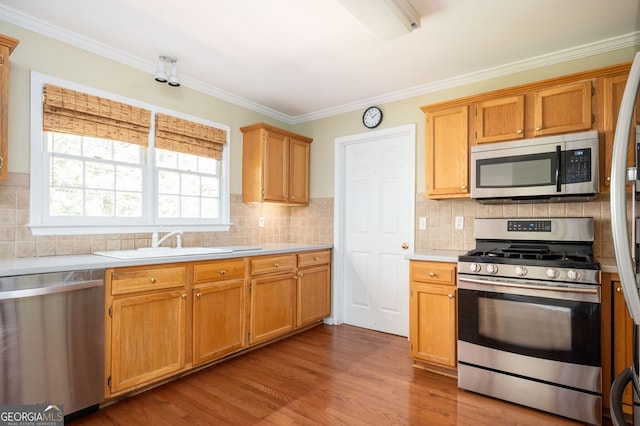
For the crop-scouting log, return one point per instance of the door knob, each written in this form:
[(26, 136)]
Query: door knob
[(405, 246)]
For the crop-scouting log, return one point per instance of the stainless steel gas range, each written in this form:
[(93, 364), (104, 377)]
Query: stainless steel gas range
[(529, 315)]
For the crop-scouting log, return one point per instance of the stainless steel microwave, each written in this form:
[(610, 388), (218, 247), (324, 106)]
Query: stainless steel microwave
[(547, 169)]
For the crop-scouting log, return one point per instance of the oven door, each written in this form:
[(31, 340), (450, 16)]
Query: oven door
[(557, 323)]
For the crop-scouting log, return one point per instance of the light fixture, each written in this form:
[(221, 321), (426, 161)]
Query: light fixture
[(386, 19), (161, 74), (173, 76)]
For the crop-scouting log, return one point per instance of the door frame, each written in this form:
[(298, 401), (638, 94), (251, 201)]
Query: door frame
[(408, 132)]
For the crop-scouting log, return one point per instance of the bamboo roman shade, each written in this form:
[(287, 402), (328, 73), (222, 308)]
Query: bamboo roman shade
[(77, 113), (188, 137)]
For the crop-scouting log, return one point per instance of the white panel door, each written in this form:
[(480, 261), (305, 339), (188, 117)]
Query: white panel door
[(377, 213)]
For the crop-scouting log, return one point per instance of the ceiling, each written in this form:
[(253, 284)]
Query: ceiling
[(297, 60)]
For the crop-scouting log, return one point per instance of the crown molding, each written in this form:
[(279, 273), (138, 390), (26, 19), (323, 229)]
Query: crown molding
[(39, 26)]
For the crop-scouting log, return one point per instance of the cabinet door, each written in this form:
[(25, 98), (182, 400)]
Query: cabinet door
[(299, 154), (314, 294), (433, 324), (218, 320), (276, 167), (148, 336), (446, 155), (4, 111), (613, 90), (563, 109), (622, 340), (500, 119), (272, 306)]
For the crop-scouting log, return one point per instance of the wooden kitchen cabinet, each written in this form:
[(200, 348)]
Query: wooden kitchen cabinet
[(313, 287), (563, 109), (447, 152), (7, 44), (433, 316), (499, 119), (146, 325), (275, 165), (617, 339), (272, 292), (613, 88), (218, 309)]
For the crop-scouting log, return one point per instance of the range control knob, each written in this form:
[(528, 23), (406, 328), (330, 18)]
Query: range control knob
[(552, 273), (474, 267), (521, 271), (573, 275), (492, 269)]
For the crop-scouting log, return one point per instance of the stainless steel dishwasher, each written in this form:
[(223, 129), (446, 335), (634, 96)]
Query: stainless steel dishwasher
[(52, 339)]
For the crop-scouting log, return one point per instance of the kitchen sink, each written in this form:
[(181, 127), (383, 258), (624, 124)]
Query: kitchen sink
[(153, 252)]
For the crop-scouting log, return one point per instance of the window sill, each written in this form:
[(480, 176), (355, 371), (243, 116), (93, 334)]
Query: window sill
[(38, 230)]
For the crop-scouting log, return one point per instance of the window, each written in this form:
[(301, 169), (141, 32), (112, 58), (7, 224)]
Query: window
[(105, 164)]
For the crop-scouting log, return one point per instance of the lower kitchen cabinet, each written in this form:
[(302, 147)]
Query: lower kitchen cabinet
[(146, 328), (218, 309), (433, 316), (617, 339), (314, 287), (272, 297)]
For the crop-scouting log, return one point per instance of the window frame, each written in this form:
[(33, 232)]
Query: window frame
[(41, 223)]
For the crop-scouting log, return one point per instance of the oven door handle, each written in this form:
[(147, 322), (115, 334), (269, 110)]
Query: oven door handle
[(532, 287)]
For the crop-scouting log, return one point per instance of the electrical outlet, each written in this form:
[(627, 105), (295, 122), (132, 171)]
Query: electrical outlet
[(422, 223), (459, 222), (261, 222)]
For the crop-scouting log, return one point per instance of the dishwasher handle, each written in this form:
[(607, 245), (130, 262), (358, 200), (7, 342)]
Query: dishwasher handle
[(40, 291)]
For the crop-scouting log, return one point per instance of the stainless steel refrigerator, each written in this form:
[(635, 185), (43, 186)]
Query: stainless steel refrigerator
[(624, 223)]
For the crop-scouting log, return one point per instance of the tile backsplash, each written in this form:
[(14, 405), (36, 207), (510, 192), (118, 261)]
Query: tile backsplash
[(441, 214), (312, 224)]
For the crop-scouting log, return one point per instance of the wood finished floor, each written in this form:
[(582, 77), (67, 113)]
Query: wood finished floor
[(330, 375)]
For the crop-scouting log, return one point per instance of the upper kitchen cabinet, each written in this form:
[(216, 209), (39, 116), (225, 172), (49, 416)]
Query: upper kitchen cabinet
[(275, 165), (613, 88), (7, 44), (563, 109), (499, 119), (447, 149)]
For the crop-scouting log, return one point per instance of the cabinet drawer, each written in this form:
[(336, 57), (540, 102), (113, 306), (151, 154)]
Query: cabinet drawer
[(433, 272), (268, 264), (144, 279), (314, 258), (218, 270)]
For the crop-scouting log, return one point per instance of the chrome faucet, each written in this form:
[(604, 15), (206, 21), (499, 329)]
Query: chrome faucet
[(155, 242)]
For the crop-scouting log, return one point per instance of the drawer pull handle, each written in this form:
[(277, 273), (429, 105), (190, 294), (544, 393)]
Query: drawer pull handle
[(153, 280), (184, 295), (432, 274), (223, 271), (275, 264), (199, 295)]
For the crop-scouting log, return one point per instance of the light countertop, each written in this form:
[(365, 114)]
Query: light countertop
[(39, 265), (436, 255)]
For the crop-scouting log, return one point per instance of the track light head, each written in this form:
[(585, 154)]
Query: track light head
[(161, 73), (173, 76)]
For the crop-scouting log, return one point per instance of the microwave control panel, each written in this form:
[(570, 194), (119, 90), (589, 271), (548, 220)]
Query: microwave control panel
[(577, 165)]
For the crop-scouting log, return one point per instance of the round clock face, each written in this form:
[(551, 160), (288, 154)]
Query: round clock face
[(372, 117)]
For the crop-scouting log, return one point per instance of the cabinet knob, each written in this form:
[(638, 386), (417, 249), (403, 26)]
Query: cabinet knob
[(450, 295), (184, 295), (619, 289), (432, 274), (153, 280), (223, 271), (316, 258), (300, 275), (538, 128), (293, 197), (275, 264), (519, 131), (198, 295), (463, 187), (608, 178)]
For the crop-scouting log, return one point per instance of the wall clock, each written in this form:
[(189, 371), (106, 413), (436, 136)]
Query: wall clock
[(372, 117)]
